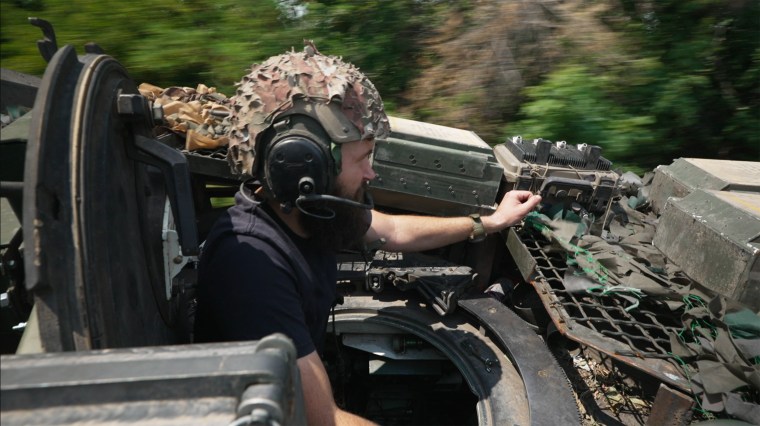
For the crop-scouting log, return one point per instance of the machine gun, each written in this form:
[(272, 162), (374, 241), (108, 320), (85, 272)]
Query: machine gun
[(440, 283)]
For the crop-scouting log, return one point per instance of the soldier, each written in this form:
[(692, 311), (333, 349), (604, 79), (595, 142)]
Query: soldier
[(304, 127)]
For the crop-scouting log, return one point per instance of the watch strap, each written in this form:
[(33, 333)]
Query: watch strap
[(478, 230)]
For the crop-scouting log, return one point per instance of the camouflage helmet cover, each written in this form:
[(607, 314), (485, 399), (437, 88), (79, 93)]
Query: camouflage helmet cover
[(334, 92)]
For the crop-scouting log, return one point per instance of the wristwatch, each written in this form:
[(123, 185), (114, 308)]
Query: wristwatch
[(478, 233)]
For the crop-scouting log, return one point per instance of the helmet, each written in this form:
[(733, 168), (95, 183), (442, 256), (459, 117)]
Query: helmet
[(324, 88)]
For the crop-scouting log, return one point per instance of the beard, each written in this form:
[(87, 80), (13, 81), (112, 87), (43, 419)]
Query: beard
[(343, 231)]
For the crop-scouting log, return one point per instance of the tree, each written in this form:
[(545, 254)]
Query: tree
[(647, 80), (687, 83), (168, 43)]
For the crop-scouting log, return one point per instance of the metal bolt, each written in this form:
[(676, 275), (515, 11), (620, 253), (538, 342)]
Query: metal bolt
[(131, 105), (158, 114), (178, 259), (259, 416), (375, 285)]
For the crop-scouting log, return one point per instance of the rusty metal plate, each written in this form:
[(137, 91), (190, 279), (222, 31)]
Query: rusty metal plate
[(639, 338)]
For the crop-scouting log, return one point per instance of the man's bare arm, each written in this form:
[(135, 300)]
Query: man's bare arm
[(419, 233), (318, 397)]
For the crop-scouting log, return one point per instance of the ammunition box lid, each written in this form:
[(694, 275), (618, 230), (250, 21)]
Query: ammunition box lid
[(433, 169), (442, 136)]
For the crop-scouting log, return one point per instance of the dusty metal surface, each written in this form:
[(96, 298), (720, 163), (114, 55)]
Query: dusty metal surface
[(193, 384), (686, 174), (529, 354), (722, 251), (671, 408)]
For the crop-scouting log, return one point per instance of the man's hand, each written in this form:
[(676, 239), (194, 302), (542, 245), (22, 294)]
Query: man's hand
[(513, 207)]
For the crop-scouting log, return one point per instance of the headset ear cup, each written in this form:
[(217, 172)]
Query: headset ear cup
[(290, 160)]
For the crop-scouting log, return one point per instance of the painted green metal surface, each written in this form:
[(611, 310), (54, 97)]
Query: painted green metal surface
[(435, 169)]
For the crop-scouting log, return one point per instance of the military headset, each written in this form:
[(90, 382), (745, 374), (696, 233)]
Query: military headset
[(299, 167)]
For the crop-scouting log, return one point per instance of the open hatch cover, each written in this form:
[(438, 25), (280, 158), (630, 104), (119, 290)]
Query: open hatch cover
[(95, 198)]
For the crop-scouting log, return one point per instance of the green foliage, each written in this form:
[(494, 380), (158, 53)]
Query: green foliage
[(689, 86), (380, 37), (165, 43), (682, 78), (186, 42), (573, 105)]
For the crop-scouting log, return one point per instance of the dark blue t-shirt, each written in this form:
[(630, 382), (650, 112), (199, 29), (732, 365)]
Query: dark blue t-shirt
[(256, 277)]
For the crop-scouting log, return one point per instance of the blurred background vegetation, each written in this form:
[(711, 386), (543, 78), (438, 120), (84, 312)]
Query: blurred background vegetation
[(649, 81)]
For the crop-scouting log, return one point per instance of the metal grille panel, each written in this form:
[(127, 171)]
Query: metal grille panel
[(639, 338)]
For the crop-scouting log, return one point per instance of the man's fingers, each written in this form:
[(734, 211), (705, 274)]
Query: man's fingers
[(522, 209), (522, 196), (529, 204)]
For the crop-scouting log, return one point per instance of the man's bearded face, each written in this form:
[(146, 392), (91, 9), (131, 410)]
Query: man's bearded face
[(346, 229)]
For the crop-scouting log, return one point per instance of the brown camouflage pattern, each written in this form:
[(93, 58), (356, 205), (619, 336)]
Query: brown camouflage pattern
[(271, 88)]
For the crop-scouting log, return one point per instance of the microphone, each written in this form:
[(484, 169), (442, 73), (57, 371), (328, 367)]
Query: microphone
[(305, 189)]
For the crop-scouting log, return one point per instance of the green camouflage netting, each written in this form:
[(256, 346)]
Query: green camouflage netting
[(718, 347)]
